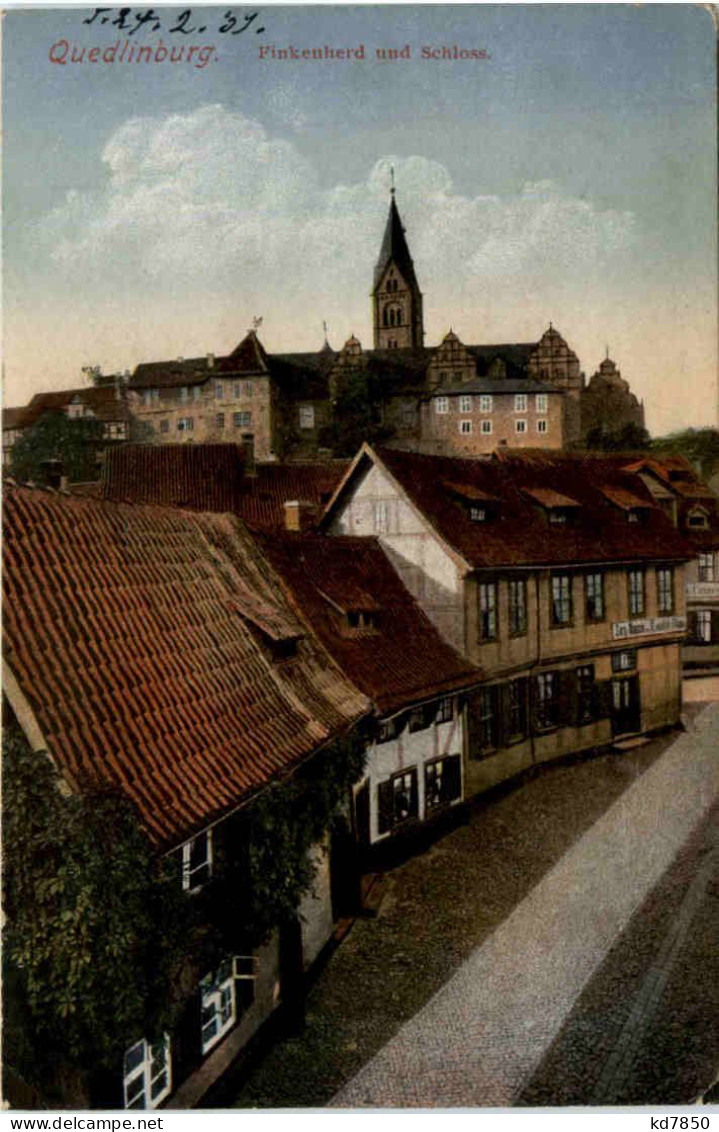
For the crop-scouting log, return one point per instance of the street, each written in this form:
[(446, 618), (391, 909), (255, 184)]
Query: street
[(558, 948)]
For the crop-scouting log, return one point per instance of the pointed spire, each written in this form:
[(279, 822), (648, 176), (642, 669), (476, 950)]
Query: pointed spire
[(394, 247)]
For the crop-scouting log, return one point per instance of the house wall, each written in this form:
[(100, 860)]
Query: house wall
[(443, 430), (315, 910), (204, 406), (408, 750), (427, 570)]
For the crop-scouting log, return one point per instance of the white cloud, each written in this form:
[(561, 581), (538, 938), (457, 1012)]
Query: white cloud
[(211, 199)]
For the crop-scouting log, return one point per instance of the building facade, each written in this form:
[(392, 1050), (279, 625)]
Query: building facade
[(449, 399), (572, 605)]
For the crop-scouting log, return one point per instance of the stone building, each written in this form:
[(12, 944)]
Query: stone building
[(452, 399), (607, 403)]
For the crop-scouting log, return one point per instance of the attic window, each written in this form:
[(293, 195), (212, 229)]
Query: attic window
[(559, 515), (361, 619), (698, 519), (478, 514)]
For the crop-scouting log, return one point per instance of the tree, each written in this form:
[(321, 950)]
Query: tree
[(628, 438), (57, 442), (356, 416), (98, 927), (698, 445)]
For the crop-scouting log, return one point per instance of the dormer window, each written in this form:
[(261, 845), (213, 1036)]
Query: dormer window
[(559, 509), (478, 514), (698, 519), (362, 619)]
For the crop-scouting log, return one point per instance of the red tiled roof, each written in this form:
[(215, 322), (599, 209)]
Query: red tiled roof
[(14, 418), (518, 534), (547, 497), (625, 500), (132, 631), (102, 400), (201, 477), (264, 494), (401, 661)]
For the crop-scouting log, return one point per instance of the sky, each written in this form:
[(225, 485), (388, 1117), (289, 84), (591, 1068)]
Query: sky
[(153, 209)]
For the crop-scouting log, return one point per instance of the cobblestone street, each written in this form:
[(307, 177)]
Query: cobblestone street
[(442, 905)]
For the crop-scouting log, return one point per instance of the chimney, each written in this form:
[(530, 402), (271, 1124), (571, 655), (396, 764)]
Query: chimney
[(299, 516), (210, 361), (64, 481)]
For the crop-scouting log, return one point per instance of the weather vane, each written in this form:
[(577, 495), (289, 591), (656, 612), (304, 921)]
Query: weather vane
[(257, 322), (391, 173)]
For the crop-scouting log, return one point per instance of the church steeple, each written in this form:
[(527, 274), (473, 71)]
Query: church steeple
[(396, 297)]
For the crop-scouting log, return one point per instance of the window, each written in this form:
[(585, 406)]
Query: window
[(697, 519), (486, 427), (183, 394), (488, 719), (307, 416), (547, 705), (585, 694), (704, 626), (361, 619), (445, 710), (517, 606), (516, 710), (478, 514), (624, 661), (665, 590), (150, 396), (75, 411), (397, 800), (465, 427), (441, 405), (409, 415), (164, 426), (706, 567), (420, 718), (485, 403), (520, 402), (249, 388), (465, 403), (115, 430), (147, 1078), (594, 596), (242, 420), (219, 1005), (542, 426), (220, 421), (197, 861), (442, 782), (561, 599), (219, 390), (390, 728), (196, 393), (558, 515), (635, 585), (237, 389), (381, 516), (487, 611), (520, 426), (541, 403), (185, 424)]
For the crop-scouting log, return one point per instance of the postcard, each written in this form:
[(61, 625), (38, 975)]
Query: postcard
[(359, 449)]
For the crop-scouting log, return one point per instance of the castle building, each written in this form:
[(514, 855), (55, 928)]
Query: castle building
[(450, 399), (607, 403)]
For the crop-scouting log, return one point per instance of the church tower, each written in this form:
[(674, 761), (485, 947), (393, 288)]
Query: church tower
[(396, 297)]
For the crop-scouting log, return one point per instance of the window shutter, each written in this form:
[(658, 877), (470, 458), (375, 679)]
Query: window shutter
[(451, 778), (385, 806)]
